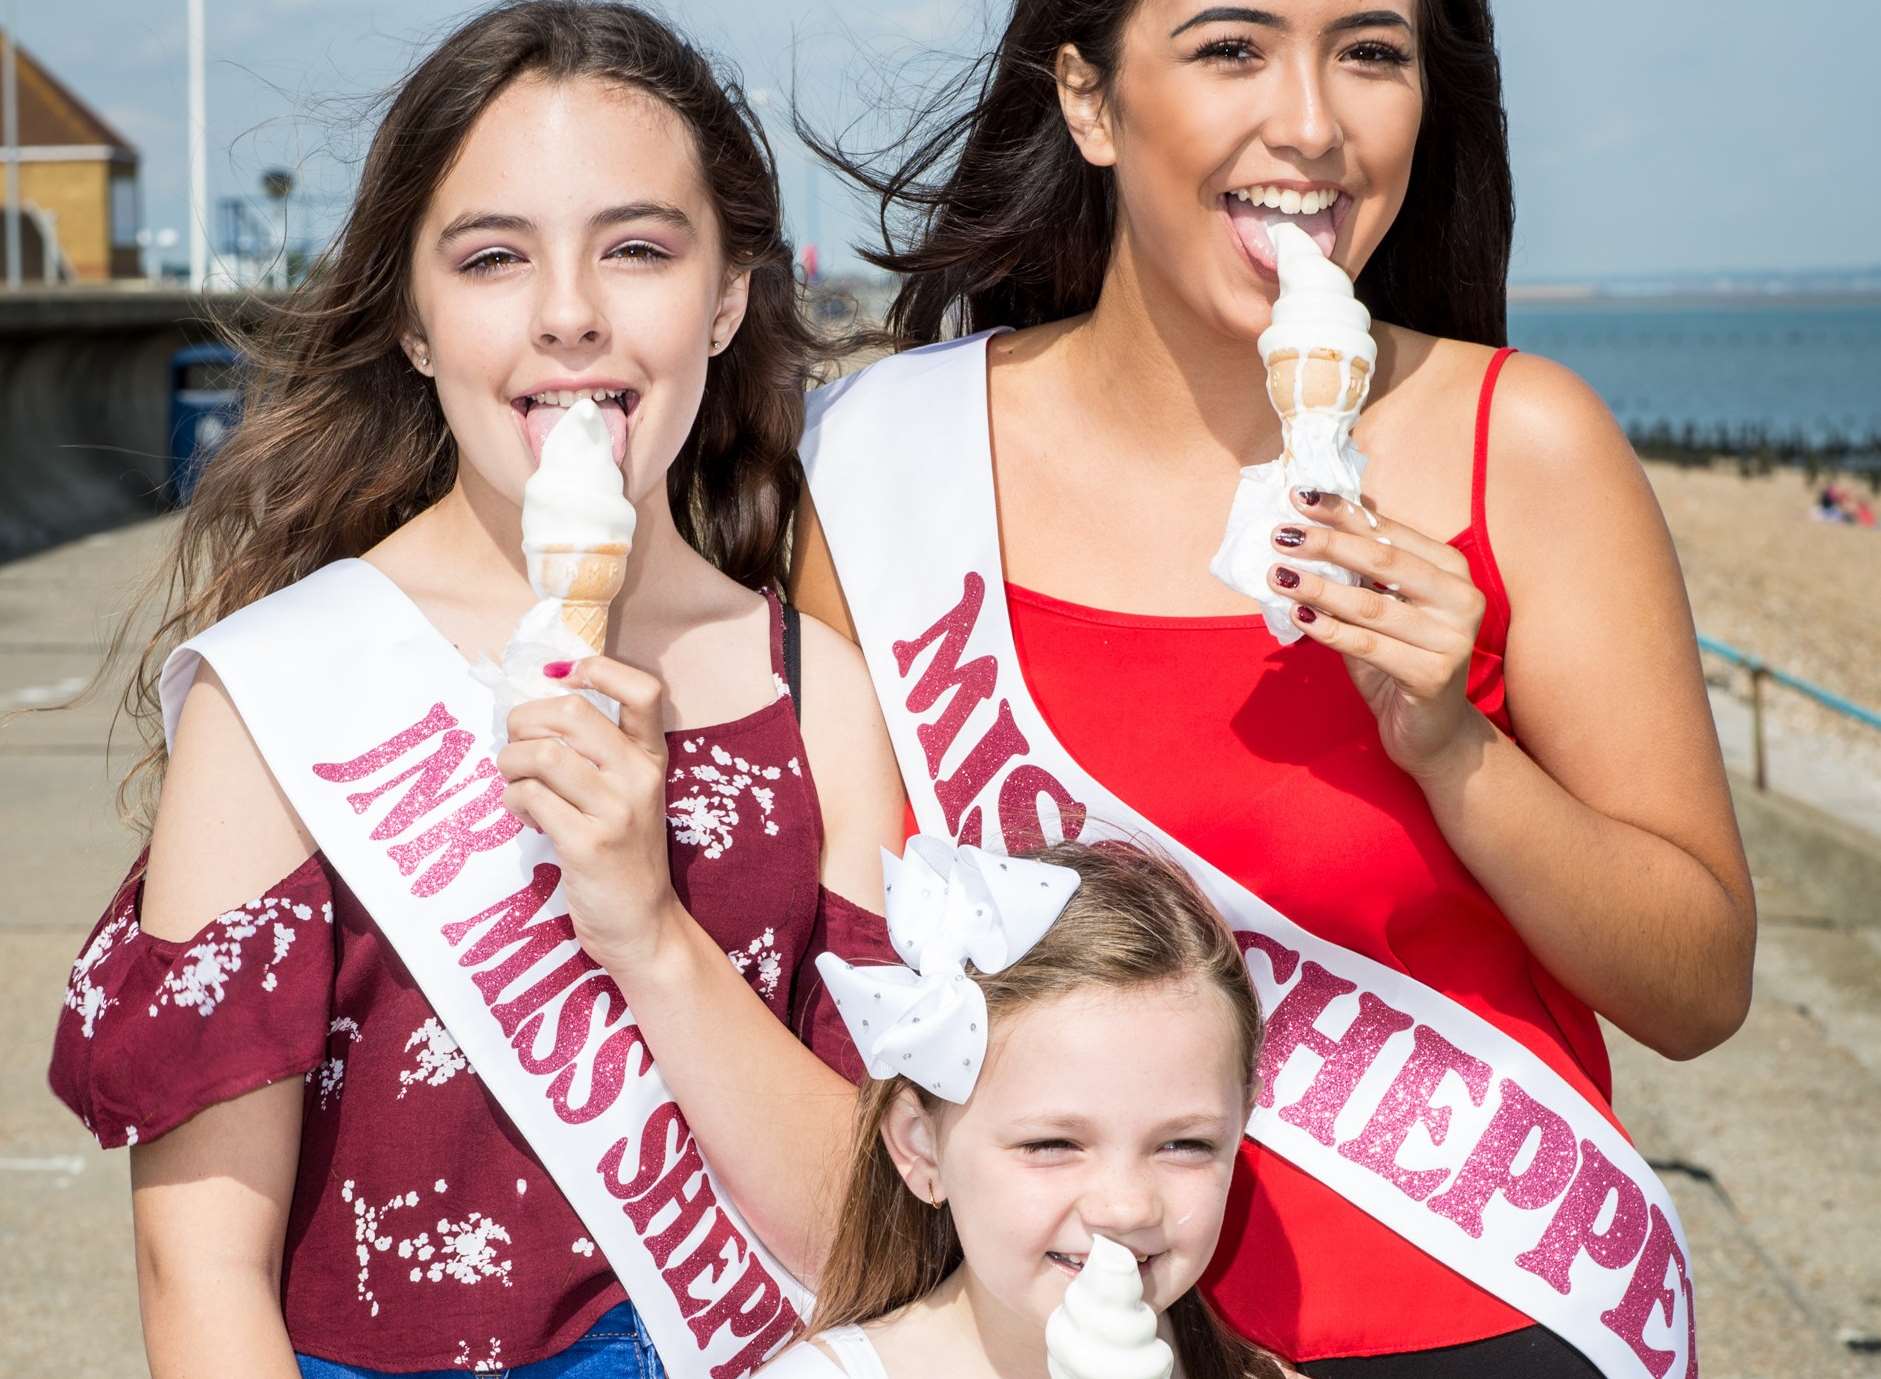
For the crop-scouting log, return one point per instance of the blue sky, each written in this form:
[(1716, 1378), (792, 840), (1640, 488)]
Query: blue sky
[(1650, 136)]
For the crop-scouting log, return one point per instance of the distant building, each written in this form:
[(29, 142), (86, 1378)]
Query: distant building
[(78, 186)]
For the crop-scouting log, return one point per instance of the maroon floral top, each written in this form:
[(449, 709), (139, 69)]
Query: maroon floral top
[(423, 1233)]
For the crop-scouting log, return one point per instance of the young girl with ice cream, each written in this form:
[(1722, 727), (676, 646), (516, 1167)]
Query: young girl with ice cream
[(1042, 1158), (1430, 729), (439, 1054)]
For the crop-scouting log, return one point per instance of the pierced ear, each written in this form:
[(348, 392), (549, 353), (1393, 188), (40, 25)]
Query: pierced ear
[(1081, 97), (418, 351), (908, 1131), (732, 304)]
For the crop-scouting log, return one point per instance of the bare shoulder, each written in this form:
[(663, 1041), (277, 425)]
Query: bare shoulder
[(224, 831), (1551, 418), (858, 783)]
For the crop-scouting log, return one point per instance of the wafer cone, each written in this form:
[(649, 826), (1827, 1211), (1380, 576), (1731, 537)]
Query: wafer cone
[(1328, 381), (584, 579)]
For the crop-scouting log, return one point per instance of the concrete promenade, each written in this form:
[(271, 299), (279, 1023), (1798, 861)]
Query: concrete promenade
[(1772, 1144)]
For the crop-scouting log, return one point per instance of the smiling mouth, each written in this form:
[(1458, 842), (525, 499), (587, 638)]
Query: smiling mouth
[(1254, 210)]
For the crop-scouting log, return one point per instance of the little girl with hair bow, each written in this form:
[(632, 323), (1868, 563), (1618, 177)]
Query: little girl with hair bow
[(1061, 1072)]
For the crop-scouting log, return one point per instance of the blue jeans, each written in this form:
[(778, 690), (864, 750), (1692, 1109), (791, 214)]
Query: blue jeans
[(616, 1348)]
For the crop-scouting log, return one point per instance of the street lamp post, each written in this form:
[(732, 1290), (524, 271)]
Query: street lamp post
[(198, 156), (10, 99)]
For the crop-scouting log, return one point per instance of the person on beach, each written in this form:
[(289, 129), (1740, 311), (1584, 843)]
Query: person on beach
[(354, 1064), (1479, 805), (1118, 1069)]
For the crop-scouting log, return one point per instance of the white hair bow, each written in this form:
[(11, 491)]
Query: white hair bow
[(946, 905)]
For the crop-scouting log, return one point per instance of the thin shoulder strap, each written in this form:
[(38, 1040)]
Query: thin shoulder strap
[(1479, 481), (855, 1353), (787, 650)]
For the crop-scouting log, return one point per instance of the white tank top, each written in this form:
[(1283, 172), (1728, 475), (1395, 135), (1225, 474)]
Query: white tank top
[(855, 1358)]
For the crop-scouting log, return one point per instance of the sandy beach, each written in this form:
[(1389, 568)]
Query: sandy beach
[(1805, 596)]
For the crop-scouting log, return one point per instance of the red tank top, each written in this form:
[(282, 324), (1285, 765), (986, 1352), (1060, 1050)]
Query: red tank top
[(1266, 762)]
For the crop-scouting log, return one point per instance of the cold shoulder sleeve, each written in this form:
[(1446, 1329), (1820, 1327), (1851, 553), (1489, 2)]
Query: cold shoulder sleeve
[(855, 935), (153, 1031)]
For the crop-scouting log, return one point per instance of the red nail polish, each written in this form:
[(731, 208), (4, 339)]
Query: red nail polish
[(1309, 496), (1305, 614), (1285, 578), (1290, 537), (558, 670)]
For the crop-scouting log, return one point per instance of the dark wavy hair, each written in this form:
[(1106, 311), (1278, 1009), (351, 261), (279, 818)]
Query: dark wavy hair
[(992, 217), (342, 442)]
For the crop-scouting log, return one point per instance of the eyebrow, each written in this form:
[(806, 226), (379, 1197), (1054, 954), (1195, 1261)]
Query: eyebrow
[(471, 222), (1235, 14)]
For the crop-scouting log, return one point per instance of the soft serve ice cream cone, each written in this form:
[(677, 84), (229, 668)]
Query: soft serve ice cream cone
[(1320, 358), (577, 528), (577, 524), (1103, 1329)]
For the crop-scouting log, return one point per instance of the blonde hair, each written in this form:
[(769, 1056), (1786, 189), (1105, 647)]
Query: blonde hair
[(1136, 920)]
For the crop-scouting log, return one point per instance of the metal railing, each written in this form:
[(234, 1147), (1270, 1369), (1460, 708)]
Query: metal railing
[(1760, 672)]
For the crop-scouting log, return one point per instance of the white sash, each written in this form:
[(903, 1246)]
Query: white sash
[(1411, 1107), (379, 737)]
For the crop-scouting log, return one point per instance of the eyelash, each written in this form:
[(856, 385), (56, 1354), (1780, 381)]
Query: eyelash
[(485, 263), (1240, 50), (1053, 1146)]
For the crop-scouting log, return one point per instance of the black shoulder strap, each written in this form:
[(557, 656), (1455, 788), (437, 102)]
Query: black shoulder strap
[(793, 658)]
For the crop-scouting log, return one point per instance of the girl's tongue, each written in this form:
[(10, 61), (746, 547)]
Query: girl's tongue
[(541, 419), (1251, 223)]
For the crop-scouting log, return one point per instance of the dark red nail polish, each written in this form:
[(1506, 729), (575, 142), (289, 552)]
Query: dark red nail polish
[(1290, 537), (558, 670), (1285, 578), (1305, 614), (1309, 497)]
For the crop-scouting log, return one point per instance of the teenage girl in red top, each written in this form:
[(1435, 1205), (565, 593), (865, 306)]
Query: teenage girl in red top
[(1504, 780)]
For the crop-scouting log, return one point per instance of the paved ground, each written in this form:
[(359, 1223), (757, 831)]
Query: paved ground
[(1769, 1143)]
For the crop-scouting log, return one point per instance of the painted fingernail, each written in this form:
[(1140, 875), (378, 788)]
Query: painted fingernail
[(1290, 537), (1285, 578), (1309, 497), (558, 670), (1305, 614)]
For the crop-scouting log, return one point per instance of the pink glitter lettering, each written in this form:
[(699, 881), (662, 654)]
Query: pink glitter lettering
[(1647, 1293), (667, 1123), (344, 772), (511, 913), (1021, 822), (709, 1258), (748, 1306), (1408, 1102), (780, 1329), (972, 683), (1003, 742), (459, 837), (573, 1019), (1280, 958), (1343, 1061), (1486, 1172), (511, 1014), (684, 1187), (1571, 1231), (608, 1077)]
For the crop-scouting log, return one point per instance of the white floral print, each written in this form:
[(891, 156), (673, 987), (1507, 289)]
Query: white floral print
[(200, 979), (761, 963), (83, 996), (462, 1251), (439, 1058), (708, 815), (330, 1076), (490, 1364)]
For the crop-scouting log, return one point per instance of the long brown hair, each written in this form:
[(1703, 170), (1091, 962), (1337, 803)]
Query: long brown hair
[(342, 442), (1136, 920), (993, 218)]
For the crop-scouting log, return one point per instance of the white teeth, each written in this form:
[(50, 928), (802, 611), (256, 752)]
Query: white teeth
[(1287, 201)]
